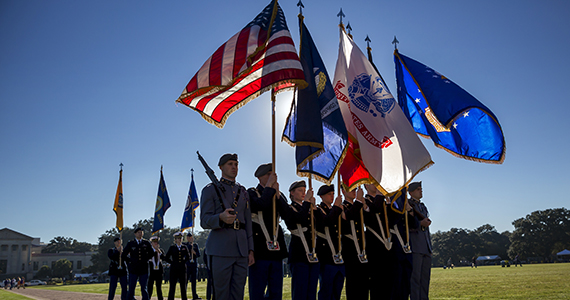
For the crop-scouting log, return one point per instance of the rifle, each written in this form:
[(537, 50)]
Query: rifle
[(217, 185), (418, 214)]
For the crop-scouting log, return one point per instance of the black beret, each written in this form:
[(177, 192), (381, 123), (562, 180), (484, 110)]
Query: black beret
[(139, 229), (325, 189), (188, 234), (116, 239), (296, 184), (414, 185), (226, 157), (263, 169)]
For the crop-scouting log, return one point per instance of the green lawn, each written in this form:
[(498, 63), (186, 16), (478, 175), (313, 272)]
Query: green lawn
[(538, 281), (4, 295)]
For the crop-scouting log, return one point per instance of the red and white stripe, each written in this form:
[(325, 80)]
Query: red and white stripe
[(221, 82)]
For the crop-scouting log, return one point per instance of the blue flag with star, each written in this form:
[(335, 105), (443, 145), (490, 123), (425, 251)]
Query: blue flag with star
[(439, 109), (192, 204), (315, 125), (162, 204)]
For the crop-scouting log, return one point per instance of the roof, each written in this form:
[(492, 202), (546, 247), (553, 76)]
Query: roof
[(489, 257), (9, 234), (564, 252)]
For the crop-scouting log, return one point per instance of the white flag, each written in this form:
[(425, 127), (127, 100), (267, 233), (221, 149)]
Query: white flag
[(389, 147)]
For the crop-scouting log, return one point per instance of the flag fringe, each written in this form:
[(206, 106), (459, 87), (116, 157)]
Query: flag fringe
[(230, 111), (480, 160), (318, 177)]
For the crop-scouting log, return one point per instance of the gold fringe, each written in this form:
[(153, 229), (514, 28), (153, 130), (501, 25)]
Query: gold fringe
[(319, 178)]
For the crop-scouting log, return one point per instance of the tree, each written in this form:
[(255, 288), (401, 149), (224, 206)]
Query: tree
[(541, 233), (62, 268), (60, 243), (44, 272)]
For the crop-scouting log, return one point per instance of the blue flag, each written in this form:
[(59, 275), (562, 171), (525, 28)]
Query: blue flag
[(192, 204), (162, 205), (315, 125), (438, 108)]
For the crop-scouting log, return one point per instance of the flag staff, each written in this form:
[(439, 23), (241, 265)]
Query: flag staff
[(120, 195)]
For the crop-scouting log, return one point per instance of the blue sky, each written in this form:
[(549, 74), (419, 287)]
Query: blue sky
[(86, 85)]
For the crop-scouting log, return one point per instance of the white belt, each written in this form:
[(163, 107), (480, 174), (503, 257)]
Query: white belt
[(258, 218)]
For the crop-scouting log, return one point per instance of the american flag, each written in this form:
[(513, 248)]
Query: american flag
[(259, 57)]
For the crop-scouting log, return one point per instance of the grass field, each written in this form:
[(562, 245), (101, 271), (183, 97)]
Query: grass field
[(4, 295), (540, 281)]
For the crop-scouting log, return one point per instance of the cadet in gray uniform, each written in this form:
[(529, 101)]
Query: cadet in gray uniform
[(230, 243), (420, 243)]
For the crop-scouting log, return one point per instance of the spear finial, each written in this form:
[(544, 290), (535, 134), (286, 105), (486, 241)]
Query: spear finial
[(121, 165), (367, 40), (395, 42), (340, 14), (301, 6)]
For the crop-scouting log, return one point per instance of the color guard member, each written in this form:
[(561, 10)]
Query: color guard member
[(177, 255), (156, 270), (138, 252)]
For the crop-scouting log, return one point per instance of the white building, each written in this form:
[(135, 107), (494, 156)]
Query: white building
[(21, 256)]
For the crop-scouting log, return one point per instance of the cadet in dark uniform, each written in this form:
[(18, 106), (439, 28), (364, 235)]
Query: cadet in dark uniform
[(230, 243), (401, 288), (304, 273), (117, 271), (380, 244), (177, 255), (138, 252), (332, 270), (420, 242), (267, 272), (156, 270), (354, 246), (191, 265)]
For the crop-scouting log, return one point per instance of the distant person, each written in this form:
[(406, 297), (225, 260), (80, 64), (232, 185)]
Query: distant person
[(450, 263), (192, 264), (156, 269), (138, 252), (117, 271), (420, 241), (177, 255), (474, 262), (517, 261)]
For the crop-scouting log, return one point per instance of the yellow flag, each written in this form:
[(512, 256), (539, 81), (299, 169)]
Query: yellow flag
[(118, 207)]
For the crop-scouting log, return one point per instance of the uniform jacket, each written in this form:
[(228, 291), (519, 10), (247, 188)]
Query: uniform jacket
[(192, 256), (157, 256), (420, 241), (327, 217), (138, 255), (299, 214), (177, 257), (261, 200), (114, 256), (224, 241), (352, 213)]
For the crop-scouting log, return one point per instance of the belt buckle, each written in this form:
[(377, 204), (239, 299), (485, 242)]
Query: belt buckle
[(236, 224)]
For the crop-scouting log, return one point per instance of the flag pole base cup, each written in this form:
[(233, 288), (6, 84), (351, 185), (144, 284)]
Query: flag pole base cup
[(273, 246), (312, 257), (363, 258), (337, 258)]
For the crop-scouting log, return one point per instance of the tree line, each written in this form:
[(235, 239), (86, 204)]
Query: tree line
[(538, 236)]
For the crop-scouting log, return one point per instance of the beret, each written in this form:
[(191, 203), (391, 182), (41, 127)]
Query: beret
[(414, 185), (263, 169), (296, 184), (139, 229), (227, 157), (325, 189)]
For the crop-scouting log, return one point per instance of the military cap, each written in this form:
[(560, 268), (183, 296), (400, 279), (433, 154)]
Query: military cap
[(325, 189), (414, 185), (263, 169), (116, 239), (296, 184), (178, 234), (227, 157), (139, 229), (154, 238), (188, 234)]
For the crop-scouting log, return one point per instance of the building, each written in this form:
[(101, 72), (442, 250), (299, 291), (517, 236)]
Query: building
[(15, 254), (21, 256)]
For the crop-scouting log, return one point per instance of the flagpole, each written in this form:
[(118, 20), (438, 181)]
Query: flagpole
[(121, 231)]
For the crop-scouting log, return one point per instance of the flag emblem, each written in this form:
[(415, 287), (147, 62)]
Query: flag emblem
[(365, 92)]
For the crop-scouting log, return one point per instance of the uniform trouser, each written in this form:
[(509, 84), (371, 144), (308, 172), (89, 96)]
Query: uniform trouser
[(382, 266), (191, 275), (331, 278), (177, 276), (266, 274), (357, 280), (142, 279), (304, 280), (155, 278), (113, 286), (401, 288), (229, 275), (421, 272)]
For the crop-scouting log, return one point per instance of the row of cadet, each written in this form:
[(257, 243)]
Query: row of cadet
[(145, 262), (381, 253)]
